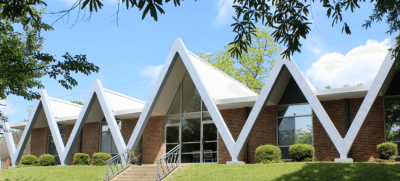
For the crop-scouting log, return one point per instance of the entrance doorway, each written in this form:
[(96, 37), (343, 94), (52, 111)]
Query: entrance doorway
[(199, 140)]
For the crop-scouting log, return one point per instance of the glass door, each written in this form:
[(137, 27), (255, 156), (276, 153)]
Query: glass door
[(209, 147), (191, 129)]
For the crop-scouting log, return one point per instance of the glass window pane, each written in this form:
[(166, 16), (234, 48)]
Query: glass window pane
[(206, 116), (191, 98), (190, 130), (62, 129), (296, 110), (210, 157), (304, 130), (114, 147), (392, 102), (210, 146), (392, 123), (175, 107), (210, 132), (175, 118), (52, 146), (286, 128), (170, 147), (204, 106), (104, 127), (105, 142), (172, 134), (191, 147), (191, 158)]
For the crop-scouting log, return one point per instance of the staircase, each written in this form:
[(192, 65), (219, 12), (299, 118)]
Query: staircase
[(140, 173)]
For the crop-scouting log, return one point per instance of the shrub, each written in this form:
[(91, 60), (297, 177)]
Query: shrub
[(81, 159), (387, 150), (100, 158), (268, 154), (301, 152), (29, 160), (47, 160)]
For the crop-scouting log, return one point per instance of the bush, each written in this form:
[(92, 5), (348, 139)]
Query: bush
[(29, 160), (100, 158), (301, 152), (268, 154), (47, 160), (387, 150), (81, 159)]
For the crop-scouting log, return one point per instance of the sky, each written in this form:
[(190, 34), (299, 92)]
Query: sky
[(130, 54)]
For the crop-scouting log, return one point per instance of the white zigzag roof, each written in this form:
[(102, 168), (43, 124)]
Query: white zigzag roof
[(99, 103)]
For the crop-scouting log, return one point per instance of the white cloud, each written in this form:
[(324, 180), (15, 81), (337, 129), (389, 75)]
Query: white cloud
[(225, 11), (8, 109), (359, 65), (151, 71)]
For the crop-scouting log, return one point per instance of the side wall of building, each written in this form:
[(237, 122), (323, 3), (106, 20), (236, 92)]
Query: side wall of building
[(153, 146)]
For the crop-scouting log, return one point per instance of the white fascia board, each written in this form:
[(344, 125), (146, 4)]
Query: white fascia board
[(342, 93), (368, 101), (179, 49), (265, 95)]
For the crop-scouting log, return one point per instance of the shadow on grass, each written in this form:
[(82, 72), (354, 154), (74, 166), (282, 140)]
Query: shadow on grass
[(345, 171)]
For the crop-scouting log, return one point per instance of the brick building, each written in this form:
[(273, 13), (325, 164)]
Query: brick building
[(216, 119)]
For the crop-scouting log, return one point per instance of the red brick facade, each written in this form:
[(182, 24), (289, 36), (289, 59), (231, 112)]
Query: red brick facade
[(39, 141), (153, 146)]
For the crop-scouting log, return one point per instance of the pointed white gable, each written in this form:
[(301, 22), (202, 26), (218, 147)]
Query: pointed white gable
[(220, 85)]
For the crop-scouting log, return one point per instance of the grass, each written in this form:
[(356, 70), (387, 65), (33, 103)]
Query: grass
[(52, 173), (289, 172)]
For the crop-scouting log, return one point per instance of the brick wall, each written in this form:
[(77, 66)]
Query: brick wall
[(370, 135), (372, 132), (68, 130), (153, 146), (91, 139), (264, 132), (39, 141), (234, 120)]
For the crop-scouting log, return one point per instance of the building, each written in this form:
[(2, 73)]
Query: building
[(217, 119)]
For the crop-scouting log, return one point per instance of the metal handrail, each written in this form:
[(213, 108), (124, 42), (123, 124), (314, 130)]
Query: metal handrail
[(118, 163), (168, 162)]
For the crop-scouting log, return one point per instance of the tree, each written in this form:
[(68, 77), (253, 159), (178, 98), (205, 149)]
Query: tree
[(17, 135), (77, 102), (304, 136), (289, 19), (328, 87), (22, 62), (254, 66)]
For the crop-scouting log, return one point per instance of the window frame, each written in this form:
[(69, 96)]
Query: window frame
[(384, 116), (119, 122), (277, 122)]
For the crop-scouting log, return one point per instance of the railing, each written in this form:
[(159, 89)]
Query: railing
[(118, 163), (167, 163)]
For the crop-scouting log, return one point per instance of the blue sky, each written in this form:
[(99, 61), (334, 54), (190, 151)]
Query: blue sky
[(131, 54)]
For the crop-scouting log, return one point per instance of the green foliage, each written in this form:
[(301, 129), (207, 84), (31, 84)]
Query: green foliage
[(46, 160), (100, 158), (268, 154), (81, 159), (301, 152), (387, 150), (328, 87), (254, 66), (29, 160), (23, 63), (77, 102)]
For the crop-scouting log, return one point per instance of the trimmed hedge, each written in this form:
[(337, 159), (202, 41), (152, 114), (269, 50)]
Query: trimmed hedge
[(100, 158), (387, 150), (81, 159), (301, 152), (29, 160), (47, 160), (268, 154)]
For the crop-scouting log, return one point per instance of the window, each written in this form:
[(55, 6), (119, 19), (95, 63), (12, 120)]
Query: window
[(107, 144), (392, 119), (294, 125), (51, 148)]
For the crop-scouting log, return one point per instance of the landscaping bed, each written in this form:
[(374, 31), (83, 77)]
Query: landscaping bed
[(289, 171)]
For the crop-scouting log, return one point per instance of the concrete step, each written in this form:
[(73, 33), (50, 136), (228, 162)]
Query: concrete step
[(138, 174), (117, 179), (137, 177)]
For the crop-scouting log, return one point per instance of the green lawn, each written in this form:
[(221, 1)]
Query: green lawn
[(289, 171), (54, 173)]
